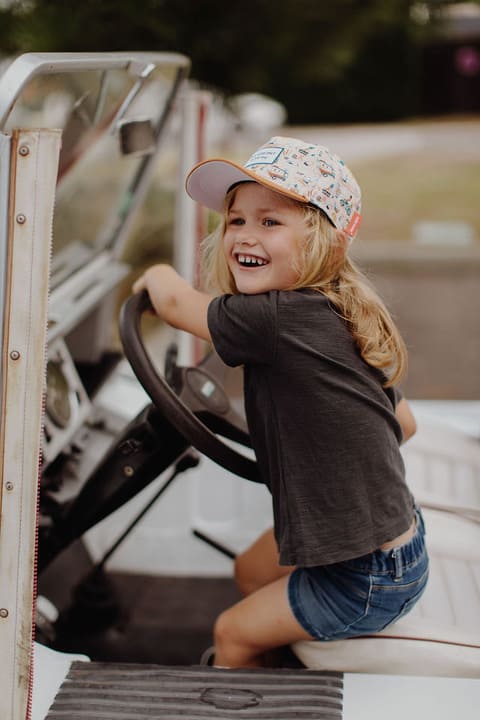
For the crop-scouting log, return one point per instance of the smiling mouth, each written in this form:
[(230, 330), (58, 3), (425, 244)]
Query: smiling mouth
[(250, 261)]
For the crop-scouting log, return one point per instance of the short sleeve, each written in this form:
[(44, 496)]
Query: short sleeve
[(244, 328), (394, 394), (397, 394)]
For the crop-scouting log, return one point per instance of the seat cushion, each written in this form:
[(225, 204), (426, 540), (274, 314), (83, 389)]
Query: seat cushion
[(441, 635), (408, 647)]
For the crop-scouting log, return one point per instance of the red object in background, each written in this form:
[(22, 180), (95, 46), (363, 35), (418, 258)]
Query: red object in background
[(467, 60)]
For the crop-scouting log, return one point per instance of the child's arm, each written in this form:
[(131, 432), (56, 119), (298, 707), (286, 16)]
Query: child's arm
[(175, 300), (406, 419)]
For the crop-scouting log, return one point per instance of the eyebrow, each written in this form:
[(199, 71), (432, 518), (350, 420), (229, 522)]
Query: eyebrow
[(260, 211)]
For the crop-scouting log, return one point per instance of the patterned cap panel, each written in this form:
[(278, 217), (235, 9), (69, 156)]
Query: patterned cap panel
[(312, 172)]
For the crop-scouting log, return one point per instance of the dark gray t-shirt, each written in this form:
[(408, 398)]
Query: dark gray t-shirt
[(322, 426)]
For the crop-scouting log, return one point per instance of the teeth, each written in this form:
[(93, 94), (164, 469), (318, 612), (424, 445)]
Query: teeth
[(250, 260)]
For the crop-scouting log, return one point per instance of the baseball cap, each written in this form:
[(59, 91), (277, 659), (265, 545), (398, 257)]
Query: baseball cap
[(303, 171)]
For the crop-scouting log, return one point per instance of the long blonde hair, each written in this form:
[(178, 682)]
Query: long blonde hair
[(325, 266)]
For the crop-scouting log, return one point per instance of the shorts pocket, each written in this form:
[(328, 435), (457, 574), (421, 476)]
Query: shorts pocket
[(418, 590), (350, 601), (328, 600), (391, 602)]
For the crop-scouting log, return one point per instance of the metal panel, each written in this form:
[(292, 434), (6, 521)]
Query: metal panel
[(34, 163), (143, 692)]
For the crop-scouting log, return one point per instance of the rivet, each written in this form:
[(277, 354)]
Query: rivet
[(15, 355), (9, 485), (21, 219), (24, 150), (3, 612), (128, 470)]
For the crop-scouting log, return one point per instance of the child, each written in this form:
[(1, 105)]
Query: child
[(321, 360)]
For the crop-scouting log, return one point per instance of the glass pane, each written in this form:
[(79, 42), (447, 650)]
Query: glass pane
[(110, 123)]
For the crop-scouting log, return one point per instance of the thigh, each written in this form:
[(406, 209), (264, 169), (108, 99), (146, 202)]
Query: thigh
[(258, 565), (263, 620)]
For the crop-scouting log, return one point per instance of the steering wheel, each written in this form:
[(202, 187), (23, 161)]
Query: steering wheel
[(194, 402)]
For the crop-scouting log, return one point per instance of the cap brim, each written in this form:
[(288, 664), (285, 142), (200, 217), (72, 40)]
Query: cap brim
[(209, 181)]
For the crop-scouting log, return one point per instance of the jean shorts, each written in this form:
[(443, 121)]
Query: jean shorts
[(363, 595)]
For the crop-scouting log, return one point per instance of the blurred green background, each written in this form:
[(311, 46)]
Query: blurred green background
[(342, 61)]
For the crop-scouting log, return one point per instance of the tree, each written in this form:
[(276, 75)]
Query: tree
[(327, 61)]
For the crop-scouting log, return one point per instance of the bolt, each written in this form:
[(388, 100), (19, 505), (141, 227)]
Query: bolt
[(24, 150), (9, 485), (21, 219), (128, 470), (14, 355), (3, 612)]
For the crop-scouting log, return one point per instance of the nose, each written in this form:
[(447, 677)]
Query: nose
[(244, 236)]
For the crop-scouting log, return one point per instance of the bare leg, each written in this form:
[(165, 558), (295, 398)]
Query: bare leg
[(258, 565), (260, 622)]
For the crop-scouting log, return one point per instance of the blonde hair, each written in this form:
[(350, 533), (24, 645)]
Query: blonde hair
[(325, 266)]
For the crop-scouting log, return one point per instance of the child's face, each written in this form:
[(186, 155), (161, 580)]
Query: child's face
[(262, 239)]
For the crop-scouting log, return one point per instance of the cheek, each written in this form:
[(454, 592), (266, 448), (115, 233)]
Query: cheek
[(227, 244), (227, 259), (226, 250), (296, 265), (295, 255)]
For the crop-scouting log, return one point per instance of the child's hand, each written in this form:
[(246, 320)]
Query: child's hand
[(175, 300), (161, 282)]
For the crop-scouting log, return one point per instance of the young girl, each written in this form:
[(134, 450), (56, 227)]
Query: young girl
[(321, 359)]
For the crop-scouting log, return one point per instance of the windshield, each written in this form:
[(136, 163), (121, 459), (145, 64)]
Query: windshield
[(111, 121)]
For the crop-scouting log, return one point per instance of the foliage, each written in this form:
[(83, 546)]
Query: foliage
[(327, 61)]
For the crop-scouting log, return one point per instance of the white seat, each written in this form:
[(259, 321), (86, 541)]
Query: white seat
[(441, 635)]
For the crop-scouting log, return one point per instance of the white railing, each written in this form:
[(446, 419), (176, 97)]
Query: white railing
[(443, 469)]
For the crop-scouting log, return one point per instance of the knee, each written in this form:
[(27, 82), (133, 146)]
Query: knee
[(224, 631), (234, 646), (220, 628)]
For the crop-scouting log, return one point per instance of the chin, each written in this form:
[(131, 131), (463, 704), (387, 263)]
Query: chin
[(247, 288)]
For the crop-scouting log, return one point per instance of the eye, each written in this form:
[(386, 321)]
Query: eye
[(236, 221), (270, 222)]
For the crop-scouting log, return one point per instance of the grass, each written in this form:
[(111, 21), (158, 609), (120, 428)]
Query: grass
[(400, 192)]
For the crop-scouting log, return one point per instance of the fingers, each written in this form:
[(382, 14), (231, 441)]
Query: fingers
[(153, 276), (139, 284)]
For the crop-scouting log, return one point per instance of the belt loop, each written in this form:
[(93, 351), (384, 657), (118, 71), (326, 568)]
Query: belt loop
[(397, 559)]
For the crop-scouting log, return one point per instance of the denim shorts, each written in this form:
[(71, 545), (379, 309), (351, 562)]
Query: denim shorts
[(360, 596)]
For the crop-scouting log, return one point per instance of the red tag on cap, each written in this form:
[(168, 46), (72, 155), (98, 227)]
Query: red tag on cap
[(353, 225)]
